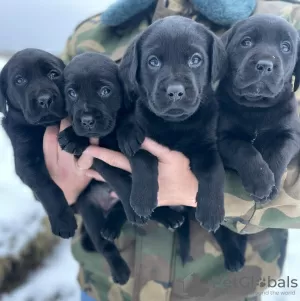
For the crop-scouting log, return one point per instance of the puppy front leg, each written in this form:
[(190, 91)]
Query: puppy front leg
[(71, 143), (143, 198), (114, 222), (120, 182), (168, 217), (209, 171), (130, 137), (278, 155), (257, 177), (61, 216), (233, 246)]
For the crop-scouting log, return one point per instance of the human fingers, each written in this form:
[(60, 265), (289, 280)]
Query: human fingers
[(112, 158), (159, 151), (64, 124), (95, 175)]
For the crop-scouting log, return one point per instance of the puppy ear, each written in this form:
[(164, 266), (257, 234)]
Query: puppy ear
[(296, 71), (3, 86), (228, 34), (128, 68), (219, 61)]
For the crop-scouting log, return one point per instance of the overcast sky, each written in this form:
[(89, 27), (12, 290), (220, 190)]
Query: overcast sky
[(44, 24)]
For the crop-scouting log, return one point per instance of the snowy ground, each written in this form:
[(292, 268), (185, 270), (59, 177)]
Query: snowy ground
[(55, 280)]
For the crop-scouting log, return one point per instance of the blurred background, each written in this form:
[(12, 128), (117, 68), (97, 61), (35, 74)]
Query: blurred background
[(43, 266), (43, 24)]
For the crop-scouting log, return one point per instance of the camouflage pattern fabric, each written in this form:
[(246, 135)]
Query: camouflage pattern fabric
[(151, 251)]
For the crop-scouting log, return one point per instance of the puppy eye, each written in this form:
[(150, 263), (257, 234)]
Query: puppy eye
[(72, 93), (105, 91), (195, 61), (19, 80), (285, 46), (53, 74), (154, 62), (246, 42)]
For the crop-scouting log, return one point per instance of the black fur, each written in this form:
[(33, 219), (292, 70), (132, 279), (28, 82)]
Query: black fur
[(174, 53), (32, 90), (90, 206), (86, 77), (259, 125), (233, 246)]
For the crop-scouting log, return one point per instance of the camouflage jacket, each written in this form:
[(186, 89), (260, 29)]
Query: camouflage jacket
[(151, 252)]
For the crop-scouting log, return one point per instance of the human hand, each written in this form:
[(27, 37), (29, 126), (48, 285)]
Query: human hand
[(62, 166), (177, 184)]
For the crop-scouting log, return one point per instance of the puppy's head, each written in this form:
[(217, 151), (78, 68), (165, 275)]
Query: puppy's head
[(262, 52), (93, 94), (171, 64), (32, 83)]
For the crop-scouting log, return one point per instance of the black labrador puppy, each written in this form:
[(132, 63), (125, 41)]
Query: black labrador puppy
[(94, 101), (168, 72), (31, 98), (259, 124)]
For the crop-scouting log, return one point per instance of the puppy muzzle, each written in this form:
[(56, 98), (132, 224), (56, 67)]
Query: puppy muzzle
[(44, 107), (259, 75), (91, 123), (174, 100)]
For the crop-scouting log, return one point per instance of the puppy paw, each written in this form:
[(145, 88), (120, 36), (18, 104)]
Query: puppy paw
[(143, 211), (235, 261), (174, 220), (65, 224), (210, 223), (137, 220), (142, 201), (71, 143), (210, 217), (260, 184), (130, 139), (111, 230), (122, 273), (274, 193)]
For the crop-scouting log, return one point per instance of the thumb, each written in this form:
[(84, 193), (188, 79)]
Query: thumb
[(50, 145), (86, 161), (158, 150)]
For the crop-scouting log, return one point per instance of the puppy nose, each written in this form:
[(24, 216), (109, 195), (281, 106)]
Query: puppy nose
[(175, 92), (87, 121), (45, 100), (265, 67)]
